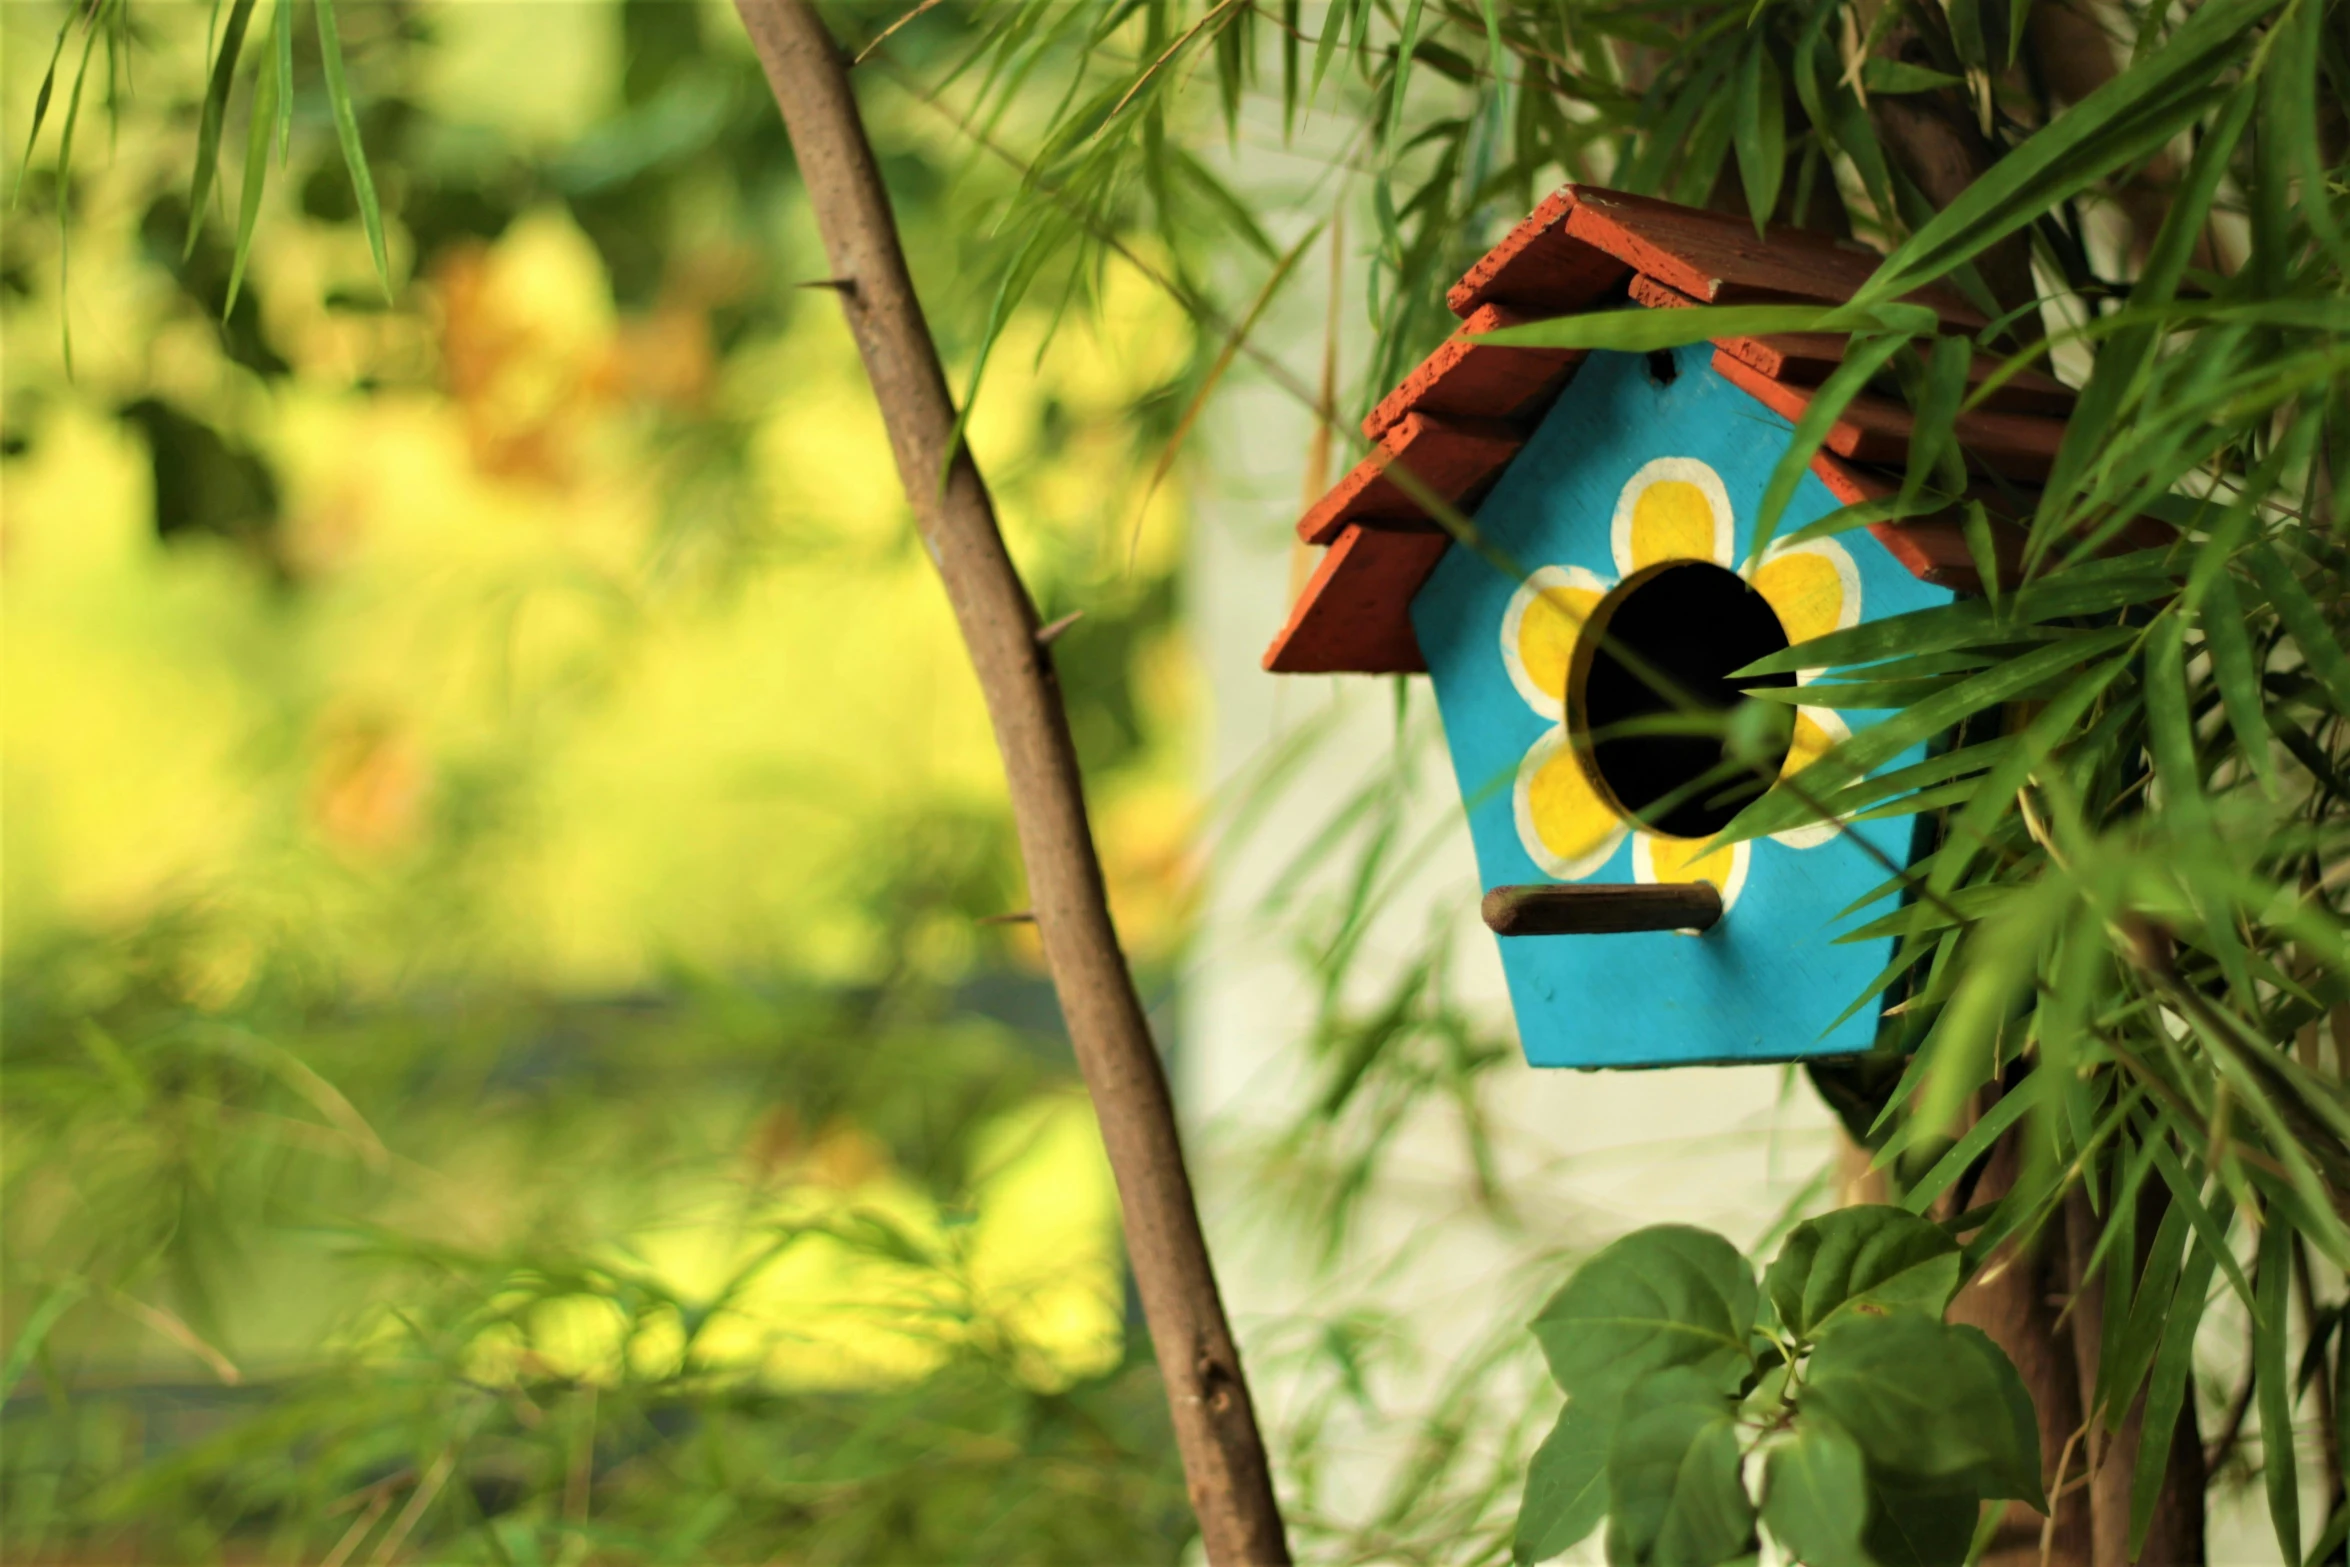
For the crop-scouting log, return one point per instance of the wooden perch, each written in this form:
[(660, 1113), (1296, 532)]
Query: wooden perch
[(1224, 1463), (1601, 910)]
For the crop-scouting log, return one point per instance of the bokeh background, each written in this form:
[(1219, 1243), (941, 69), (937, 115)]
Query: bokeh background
[(499, 1030), (507, 1054)]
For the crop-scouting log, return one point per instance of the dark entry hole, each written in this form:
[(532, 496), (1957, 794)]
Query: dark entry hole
[(1692, 623)]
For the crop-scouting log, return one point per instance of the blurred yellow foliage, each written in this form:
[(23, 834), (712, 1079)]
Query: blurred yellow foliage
[(494, 617)]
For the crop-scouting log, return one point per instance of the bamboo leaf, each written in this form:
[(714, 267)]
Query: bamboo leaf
[(2209, 1228), (2304, 620), (1761, 136), (1880, 743), (2130, 116), (282, 34), (2129, 1354), (338, 93), (53, 1304), (41, 100), (2166, 1394), (258, 130), (2002, 959), (2094, 590), (2234, 671), (224, 72), (1863, 358), (73, 114), (2272, 1378), (1408, 41), (1638, 331), (2169, 727), (1977, 1141)]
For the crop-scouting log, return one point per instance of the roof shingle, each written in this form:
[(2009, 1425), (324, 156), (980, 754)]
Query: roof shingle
[(1457, 420)]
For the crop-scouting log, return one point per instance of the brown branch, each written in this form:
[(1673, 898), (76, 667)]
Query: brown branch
[(1215, 1427)]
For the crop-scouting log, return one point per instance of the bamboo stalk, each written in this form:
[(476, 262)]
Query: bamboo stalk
[(1215, 1427)]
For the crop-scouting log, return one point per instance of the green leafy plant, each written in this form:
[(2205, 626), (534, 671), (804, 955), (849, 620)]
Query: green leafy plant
[(1876, 1429)]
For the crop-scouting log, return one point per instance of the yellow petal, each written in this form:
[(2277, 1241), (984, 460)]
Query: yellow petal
[(1817, 731), (1546, 636), (1672, 520), (1539, 629), (1565, 826), (1811, 742), (1677, 859), (1812, 591)]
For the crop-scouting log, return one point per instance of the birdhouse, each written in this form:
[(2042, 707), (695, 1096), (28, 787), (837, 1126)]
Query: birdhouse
[(1614, 499)]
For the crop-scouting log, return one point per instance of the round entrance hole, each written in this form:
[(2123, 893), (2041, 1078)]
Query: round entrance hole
[(1692, 623)]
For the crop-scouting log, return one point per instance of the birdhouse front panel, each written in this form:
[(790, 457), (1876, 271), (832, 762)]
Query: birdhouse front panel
[(1632, 508), (1611, 592)]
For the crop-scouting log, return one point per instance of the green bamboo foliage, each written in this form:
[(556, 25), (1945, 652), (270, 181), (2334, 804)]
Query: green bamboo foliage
[(2132, 920)]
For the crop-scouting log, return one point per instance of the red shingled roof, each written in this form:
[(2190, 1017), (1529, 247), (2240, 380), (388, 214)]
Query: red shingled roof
[(1457, 420)]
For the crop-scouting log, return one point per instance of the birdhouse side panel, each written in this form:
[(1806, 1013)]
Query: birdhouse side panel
[(1631, 482)]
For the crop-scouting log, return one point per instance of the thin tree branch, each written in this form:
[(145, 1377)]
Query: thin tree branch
[(1215, 1428)]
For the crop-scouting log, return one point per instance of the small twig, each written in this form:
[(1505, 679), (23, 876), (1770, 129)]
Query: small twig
[(884, 35), (1189, 34), (1016, 917), (430, 1487), (1050, 632), (578, 1483), (171, 1327), (353, 1536), (839, 285), (2064, 1462)]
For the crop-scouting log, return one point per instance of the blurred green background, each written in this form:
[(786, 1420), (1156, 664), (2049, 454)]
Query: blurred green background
[(503, 1060)]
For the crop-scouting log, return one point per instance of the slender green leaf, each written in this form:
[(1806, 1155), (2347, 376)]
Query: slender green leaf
[(2273, 1381), (41, 100), (53, 1304), (2166, 1394), (1863, 358), (1644, 331), (2130, 116), (2235, 671), (258, 130), (2304, 620), (224, 73), (338, 93), (2170, 729), (1761, 135)]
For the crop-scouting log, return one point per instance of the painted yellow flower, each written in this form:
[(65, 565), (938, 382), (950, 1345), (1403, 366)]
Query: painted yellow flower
[(1674, 511)]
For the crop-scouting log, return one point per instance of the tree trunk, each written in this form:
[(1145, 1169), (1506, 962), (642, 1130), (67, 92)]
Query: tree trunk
[(1215, 1427), (2017, 1298)]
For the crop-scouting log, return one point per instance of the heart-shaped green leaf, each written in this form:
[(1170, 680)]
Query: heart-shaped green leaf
[(1816, 1496), (1930, 1403), (1674, 1496), (1660, 1297), (1566, 1485), (1872, 1261)]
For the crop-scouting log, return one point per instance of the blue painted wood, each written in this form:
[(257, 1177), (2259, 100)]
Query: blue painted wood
[(1767, 982)]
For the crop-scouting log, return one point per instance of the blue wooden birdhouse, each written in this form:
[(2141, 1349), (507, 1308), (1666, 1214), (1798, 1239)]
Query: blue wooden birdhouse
[(1615, 495)]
